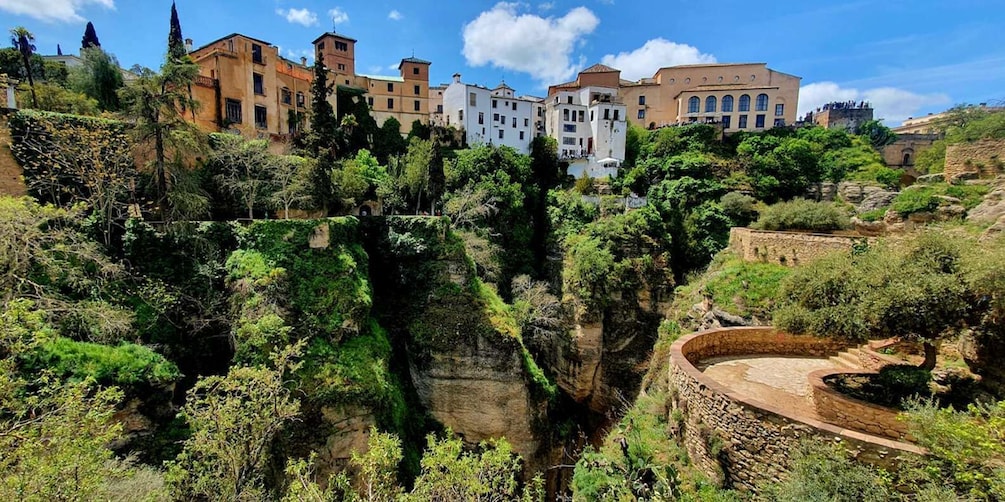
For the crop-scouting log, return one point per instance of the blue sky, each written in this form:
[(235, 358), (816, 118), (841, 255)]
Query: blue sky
[(906, 57)]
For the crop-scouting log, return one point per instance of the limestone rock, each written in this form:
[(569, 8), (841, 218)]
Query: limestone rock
[(876, 200), (869, 228), (351, 425), (994, 231), (927, 179), (989, 210)]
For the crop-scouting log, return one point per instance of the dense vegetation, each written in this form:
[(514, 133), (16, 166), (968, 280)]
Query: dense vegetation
[(242, 348)]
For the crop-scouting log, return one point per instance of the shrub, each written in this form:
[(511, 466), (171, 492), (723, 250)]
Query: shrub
[(127, 365), (826, 472), (739, 207), (874, 215), (800, 214), (915, 200)]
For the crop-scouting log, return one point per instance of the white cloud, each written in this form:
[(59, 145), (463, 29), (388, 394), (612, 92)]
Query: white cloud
[(891, 104), (338, 16), (66, 11), (546, 6), (394, 15), (299, 16), (297, 54), (653, 55), (541, 47)]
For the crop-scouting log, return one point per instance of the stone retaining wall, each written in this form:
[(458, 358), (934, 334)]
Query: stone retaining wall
[(850, 413), (744, 442), (786, 248), (984, 158)]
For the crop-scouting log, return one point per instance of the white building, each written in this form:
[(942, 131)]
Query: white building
[(494, 117), (590, 125)]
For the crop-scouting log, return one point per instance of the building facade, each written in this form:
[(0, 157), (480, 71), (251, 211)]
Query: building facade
[(847, 115), (935, 123), (739, 96), (245, 86), (589, 120), (404, 97), (436, 117), (491, 116)]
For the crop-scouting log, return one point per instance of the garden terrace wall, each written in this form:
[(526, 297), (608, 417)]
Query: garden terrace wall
[(984, 158), (786, 248), (850, 413), (743, 441)]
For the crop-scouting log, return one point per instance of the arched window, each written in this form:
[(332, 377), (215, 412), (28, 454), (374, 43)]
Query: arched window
[(762, 102), (693, 104), (744, 103), (727, 103), (710, 103)]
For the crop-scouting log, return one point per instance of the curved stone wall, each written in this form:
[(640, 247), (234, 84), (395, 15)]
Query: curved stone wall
[(850, 413), (744, 442)]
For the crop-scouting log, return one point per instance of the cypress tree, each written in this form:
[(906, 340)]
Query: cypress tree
[(176, 44), (90, 37), (324, 125)]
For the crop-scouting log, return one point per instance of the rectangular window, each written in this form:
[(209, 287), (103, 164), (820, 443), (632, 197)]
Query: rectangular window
[(259, 82), (514, 121), (390, 87), (415, 71), (234, 111), (321, 46), (417, 105), (390, 103), (779, 110), (725, 121), (261, 117), (342, 46), (495, 117), (514, 106), (759, 121), (616, 112), (256, 54), (568, 141), (779, 122), (502, 133), (591, 115), (502, 119), (521, 135), (416, 90), (642, 114), (481, 118), (495, 103), (568, 100), (642, 100), (568, 127), (565, 114), (369, 101), (582, 115), (743, 122), (472, 99), (607, 114), (460, 116), (287, 96), (439, 108), (526, 122), (341, 67), (301, 99)]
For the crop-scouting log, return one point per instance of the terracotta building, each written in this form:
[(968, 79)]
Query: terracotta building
[(404, 97), (245, 86), (740, 96)]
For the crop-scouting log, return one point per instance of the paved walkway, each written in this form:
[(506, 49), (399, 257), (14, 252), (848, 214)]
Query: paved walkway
[(775, 380)]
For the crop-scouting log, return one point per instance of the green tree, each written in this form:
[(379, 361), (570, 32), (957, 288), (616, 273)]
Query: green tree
[(234, 421), (99, 78), (420, 130), (90, 38), (418, 163), (291, 175), (389, 142), (23, 41), (878, 134), (245, 168)]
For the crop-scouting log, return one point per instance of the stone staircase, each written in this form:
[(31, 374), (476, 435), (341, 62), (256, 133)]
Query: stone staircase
[(850, 358)]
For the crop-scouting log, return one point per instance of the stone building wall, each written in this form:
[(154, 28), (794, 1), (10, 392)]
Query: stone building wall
[(851, 413), (984, 159), (743, 442), (786, 248)]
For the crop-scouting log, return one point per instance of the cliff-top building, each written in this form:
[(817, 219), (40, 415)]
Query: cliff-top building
[(492, 116), (589, 121), (739, 96), (847, 115), (246, 86)]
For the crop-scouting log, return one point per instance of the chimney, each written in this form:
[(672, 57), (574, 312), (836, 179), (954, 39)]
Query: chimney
[(303, 60), (457, 78), (188, 45)]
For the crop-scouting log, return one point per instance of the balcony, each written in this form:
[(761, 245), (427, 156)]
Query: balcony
[(206, 82)]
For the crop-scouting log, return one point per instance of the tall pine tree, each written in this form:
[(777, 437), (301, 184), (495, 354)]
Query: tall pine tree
[(90, 37), (323, 138)]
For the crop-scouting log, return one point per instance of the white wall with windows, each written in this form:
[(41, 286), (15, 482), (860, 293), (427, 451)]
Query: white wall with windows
[(495, 116)]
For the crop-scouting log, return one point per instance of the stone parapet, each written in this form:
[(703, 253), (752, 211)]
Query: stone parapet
[(745, 442), (786, 248), (850, 413)]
